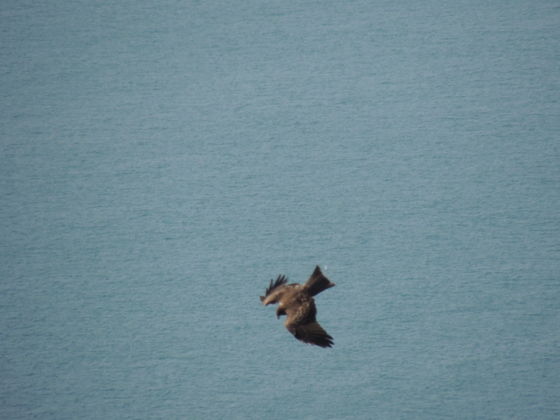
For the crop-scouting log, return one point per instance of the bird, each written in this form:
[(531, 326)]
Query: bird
[(296, 302)]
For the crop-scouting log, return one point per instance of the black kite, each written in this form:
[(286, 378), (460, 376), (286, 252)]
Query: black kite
[(296, 302)]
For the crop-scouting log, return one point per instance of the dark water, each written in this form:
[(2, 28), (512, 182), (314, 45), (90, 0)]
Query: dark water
[(160, 162)]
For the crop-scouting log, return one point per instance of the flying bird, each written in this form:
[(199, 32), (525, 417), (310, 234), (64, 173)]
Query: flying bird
[(296, 302)]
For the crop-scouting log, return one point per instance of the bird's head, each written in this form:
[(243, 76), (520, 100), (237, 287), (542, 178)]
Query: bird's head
[(280, 311)]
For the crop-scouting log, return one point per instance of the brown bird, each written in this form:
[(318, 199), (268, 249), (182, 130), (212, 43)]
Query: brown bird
[(296, 302)]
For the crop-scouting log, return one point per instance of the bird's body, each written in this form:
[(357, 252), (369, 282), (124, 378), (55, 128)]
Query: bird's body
[(296, 302)]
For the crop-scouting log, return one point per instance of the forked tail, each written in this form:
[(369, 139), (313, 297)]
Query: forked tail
[(318, 283)]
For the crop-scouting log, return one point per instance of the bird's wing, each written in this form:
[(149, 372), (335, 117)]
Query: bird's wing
[(311, 333), (274, 290), (302, 324)]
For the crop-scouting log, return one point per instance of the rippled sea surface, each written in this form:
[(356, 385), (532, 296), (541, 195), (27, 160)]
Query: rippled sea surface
[(161, 161)]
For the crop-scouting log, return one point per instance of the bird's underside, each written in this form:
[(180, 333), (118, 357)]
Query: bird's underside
[(296, 302)]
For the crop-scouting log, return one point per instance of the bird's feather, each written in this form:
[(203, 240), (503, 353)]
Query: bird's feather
[(311, 333), (318, 283), (272, 288)]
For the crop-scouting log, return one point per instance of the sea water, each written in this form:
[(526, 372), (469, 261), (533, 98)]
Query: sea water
[(160, 162)]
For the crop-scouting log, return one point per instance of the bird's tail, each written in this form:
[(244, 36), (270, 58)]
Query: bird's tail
[(318, 283)]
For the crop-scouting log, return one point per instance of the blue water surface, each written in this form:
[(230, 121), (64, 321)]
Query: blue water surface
[(161, 161)]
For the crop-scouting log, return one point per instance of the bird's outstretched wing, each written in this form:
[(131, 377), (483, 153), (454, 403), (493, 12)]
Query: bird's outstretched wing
[(311, 333), (303, 325), (275, 286)]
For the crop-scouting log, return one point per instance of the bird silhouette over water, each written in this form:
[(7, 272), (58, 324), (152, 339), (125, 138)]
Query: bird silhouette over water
[(296, 302)]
